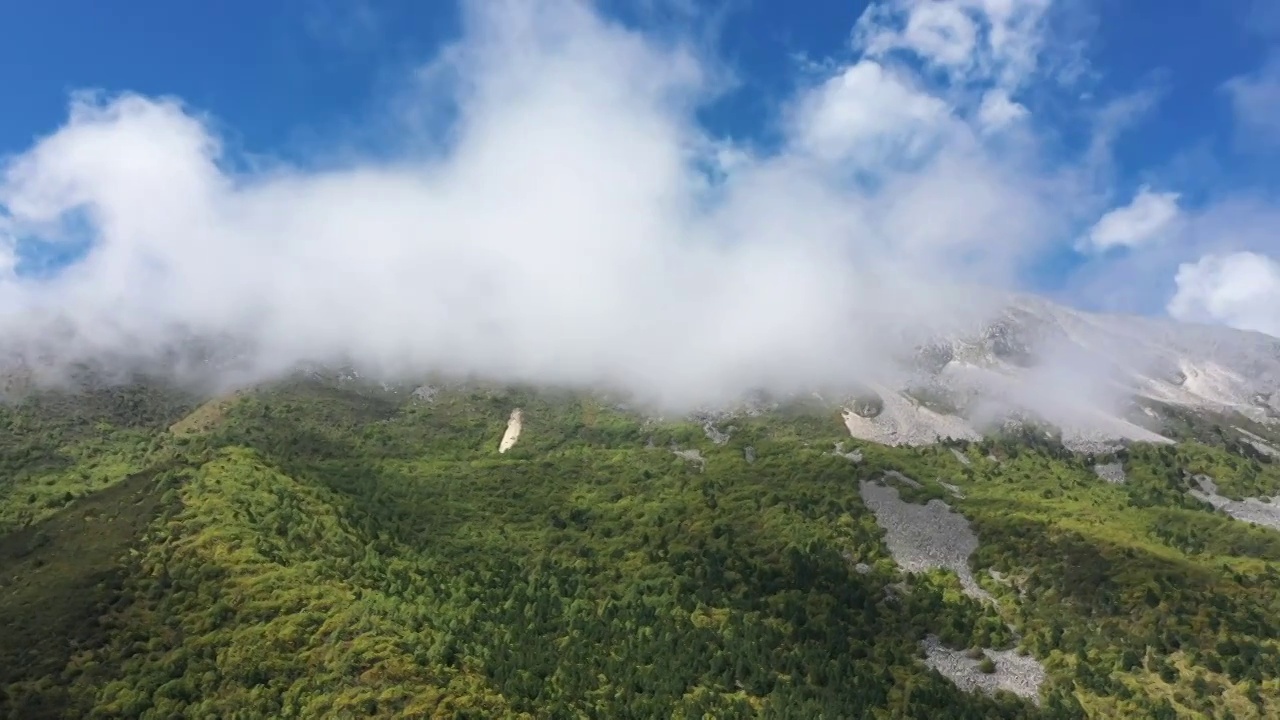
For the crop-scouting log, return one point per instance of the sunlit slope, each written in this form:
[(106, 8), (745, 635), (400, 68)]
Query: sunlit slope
[(328, 549)]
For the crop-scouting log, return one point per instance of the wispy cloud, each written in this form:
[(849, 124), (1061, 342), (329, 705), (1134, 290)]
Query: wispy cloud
[(1255, 98), (981, 41), (1149, 218), (1240, 289), (349, 24)]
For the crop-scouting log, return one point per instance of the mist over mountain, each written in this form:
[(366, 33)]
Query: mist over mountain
[(569, 359), (553, 212)]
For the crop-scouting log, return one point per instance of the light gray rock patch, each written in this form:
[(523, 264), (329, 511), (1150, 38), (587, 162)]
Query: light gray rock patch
[(895, 475), (964, 459), (953, 489), (714, 435), (1021, 675), (1251, 510), (1259, 443), (1111, 472), (924, 537), (852, 456), (749, 454), (426, 393), (892, 419), (693, 456)]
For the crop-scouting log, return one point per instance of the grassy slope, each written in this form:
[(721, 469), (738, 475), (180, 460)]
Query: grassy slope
[(59, 576), (341, 553), (1085, 553), (58, 446)]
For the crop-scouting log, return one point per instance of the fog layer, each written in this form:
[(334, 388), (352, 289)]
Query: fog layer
[(570, 222)]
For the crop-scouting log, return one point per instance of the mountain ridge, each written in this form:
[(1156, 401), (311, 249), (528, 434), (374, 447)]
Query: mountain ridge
[(1100, 379)]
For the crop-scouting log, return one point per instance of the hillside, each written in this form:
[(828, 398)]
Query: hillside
[(326, 547)]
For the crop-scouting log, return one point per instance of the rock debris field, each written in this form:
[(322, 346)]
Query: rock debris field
[(1250, 510), (1259, 443), (1021, 675), (1111, 472), (924, 537), (902, 423), (693, 456)]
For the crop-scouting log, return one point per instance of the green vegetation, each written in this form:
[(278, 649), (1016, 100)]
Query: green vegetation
[(325, 549), (58, 446)]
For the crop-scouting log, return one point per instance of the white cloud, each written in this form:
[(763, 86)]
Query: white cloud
[(997, 111), (562, 229), (868, 115), (1255, 99), (942, 33), (8, 248), (985, 40), (562, 225), (1148, 218), (1240, 289), (1141, 280)]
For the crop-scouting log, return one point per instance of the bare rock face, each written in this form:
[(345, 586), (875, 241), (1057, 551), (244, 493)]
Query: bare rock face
[(1015, 357), (514, 425), (1095, 378), (1270, 403), (931, 358), (867, 405), (1259, 443), (1012, 338)]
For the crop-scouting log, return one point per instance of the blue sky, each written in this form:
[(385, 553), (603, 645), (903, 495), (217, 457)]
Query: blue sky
[(1116, 155), (279, 74)]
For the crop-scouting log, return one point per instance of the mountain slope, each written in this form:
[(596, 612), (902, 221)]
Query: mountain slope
[(328, 547), (1098, 380)]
